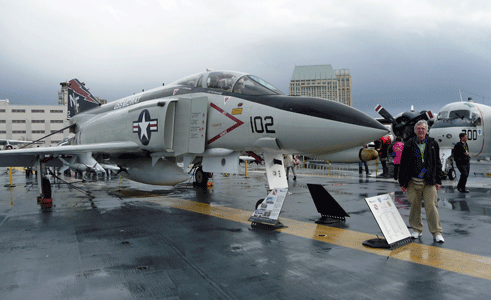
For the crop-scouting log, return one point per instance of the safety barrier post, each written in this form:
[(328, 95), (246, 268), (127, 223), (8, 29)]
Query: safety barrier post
[(245, 168), (11, 184)]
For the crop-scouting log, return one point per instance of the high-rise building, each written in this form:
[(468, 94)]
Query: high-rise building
[(322, 81)]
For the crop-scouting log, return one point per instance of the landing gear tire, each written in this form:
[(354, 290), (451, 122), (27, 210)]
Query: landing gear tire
[(46, 187), (200, 177), (452, 174)]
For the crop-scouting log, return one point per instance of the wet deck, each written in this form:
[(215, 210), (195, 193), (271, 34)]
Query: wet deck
[(135, 241)]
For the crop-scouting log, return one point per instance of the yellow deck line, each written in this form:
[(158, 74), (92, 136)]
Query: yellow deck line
[(437, 257)]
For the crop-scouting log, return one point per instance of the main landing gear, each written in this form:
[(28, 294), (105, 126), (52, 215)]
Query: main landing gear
[(44, 199), (201, 178)]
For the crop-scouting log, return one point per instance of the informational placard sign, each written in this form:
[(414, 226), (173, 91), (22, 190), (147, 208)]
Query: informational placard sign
[(269, 210), (389, 219)]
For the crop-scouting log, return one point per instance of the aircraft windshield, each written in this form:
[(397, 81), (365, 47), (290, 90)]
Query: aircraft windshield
[(455, 118), (231, 82), (222, 80), (190, 80), (252, 85)]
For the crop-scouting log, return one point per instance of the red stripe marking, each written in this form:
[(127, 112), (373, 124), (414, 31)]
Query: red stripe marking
[(237, 124)]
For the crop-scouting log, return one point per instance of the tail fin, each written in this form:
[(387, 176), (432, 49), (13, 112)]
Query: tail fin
[(79, 98)]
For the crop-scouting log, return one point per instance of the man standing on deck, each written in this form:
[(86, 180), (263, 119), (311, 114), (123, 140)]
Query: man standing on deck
[(420, 177)]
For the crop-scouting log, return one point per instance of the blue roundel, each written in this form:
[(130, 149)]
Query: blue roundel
[(144, 126)]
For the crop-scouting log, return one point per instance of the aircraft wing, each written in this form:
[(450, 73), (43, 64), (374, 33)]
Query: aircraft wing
[(4, 142), (27, 157)]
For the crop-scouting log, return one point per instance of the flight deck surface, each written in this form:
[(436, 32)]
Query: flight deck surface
[(128, 240)]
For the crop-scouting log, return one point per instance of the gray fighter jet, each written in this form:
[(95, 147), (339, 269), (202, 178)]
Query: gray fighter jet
[(205, 120)]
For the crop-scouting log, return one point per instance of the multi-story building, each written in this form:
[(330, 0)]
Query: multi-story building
[(32, 122), (322, 81)]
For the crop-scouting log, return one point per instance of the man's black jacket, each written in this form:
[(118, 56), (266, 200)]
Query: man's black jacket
[(459, 154), (412, 165)]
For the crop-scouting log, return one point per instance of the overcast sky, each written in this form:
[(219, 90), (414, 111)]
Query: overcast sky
[(400, 53)]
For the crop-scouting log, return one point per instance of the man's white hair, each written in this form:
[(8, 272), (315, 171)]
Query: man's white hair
[(420, 122)]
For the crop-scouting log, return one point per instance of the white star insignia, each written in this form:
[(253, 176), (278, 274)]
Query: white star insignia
[(143, 126)]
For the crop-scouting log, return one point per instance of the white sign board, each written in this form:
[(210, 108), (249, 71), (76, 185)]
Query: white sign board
[(388, 218), (269, 210)]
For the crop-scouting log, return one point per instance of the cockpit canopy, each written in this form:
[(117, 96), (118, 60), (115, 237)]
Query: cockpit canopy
[(230, 81), (457, 115)]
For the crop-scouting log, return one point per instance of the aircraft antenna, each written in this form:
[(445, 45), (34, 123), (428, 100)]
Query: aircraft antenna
[(480, 96), (460, 96)]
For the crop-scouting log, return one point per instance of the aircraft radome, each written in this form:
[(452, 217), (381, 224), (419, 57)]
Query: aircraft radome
[(469, 117), (401, 125), (207, 120)]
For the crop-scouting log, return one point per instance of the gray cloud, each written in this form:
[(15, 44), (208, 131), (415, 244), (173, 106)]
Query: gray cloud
[(399, 53)]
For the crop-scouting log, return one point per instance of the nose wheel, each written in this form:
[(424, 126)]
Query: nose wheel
[(452, 174)]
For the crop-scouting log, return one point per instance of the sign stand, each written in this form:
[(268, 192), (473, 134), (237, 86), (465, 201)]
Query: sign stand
[(330, 210), (267, 213), (390, 223)]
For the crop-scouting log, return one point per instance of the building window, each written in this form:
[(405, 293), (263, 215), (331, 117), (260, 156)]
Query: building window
[(38, 131), (56, 121), (3, 121), (56, 111), (37, 110), (18, 121), (2, 110), (18, 131), (18, 110), (3, 132), (37, 121)]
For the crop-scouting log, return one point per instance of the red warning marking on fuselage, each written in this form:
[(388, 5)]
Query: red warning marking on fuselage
[(236, 125)]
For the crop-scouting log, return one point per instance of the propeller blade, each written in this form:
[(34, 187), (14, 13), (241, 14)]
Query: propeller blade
[(385, 114)]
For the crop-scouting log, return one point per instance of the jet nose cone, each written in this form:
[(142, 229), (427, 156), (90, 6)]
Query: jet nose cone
[(335, 111), (335, 126), (360, 128)]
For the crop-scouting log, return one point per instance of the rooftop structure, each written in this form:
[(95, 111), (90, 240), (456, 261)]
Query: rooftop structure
[(322, 81)]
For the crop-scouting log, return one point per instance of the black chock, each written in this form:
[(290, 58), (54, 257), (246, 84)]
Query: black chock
[(327, 206)]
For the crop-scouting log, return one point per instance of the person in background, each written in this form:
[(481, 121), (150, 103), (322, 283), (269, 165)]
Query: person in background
[(420, 176), (384, 143), (360, 165), (290, 164), (397, 150), (462, 160)]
